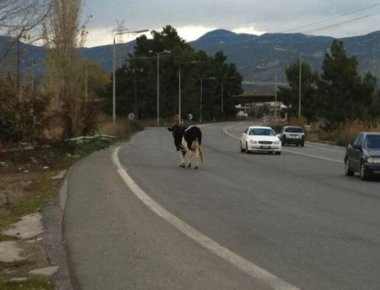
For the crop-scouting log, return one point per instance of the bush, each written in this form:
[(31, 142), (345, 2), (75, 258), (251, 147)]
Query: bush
[(123, 128), (21, 117)]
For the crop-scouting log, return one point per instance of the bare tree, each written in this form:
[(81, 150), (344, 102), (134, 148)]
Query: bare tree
[(20, 18), (63, 35)]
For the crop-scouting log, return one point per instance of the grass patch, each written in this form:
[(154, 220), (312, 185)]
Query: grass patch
[(4, 238), (82, 149), (34, 194), (30, 284), (15, 265)]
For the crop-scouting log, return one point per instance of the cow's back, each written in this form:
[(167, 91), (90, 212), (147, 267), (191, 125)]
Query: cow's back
[(193, 133)]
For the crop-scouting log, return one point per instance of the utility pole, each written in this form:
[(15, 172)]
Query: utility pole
[(275, 94), (158, 89), (86, 84), (119, 31), (158, 82), (221, 101), (299, 88), (179, 96), (18, 69), (201, 100), (201, 103)]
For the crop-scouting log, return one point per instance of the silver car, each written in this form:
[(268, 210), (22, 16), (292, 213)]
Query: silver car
[(292, 135)]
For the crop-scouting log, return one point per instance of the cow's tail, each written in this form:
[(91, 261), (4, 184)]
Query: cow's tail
[(200, 153), (196, 146)]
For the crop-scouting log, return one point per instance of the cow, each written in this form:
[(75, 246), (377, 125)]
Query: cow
[(187, 141)]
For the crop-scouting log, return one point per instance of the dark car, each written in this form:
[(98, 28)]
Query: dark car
[(292, 135), (363, 155)]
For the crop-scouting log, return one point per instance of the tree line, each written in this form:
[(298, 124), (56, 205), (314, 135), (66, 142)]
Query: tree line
[(338, 94), (207, 83)]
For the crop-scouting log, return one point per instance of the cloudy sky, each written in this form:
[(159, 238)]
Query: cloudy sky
[(193, 18)]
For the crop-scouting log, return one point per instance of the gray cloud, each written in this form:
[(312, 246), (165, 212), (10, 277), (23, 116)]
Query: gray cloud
[(265, 15)]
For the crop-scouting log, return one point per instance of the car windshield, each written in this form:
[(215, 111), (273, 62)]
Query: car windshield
[(294, 130), (262, 132), (373, 141)]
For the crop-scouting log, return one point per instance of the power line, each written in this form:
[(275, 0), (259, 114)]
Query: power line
[(343, 22), (330, 19)]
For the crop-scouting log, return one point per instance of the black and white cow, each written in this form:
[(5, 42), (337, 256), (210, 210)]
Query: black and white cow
[(187, 141)]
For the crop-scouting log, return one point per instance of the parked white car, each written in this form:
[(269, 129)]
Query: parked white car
[(260, 139)]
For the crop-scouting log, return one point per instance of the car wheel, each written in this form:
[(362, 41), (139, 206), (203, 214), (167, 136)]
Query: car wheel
[(278, 153), (364, 175), (246, 148), (302, 144), (347, 169), (241, 148)]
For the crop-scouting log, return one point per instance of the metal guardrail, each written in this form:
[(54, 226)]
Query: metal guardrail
[(84, 138), (80, 139)]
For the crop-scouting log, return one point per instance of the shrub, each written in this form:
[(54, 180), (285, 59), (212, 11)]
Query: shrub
[(21, 117)]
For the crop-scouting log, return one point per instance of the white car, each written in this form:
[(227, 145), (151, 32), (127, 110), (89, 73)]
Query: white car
[(260, 139)]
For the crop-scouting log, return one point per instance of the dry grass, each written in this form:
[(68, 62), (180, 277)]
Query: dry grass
[(346, 132), (293, 121), (123, 128), (24, 193)]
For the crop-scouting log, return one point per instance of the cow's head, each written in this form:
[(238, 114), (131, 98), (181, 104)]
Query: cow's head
[(177, 135)]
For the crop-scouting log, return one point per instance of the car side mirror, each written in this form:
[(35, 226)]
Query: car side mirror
[(357, 146)]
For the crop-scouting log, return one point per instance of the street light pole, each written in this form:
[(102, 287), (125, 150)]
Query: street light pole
[(201, 102), (114, 82), (275, 94), (179, 89), (179, 96), (201, 99), (221, 101), (158, 82), (158, 89), (299, 88), (119, 32)]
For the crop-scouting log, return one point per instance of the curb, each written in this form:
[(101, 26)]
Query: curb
[(53, 238)]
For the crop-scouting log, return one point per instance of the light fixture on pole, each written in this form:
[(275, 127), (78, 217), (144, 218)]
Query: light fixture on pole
[(158, 82), (116, 33)]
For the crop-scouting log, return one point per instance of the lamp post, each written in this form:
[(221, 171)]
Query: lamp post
[(299, 87), (222, 92), (118, 32), (201, 99), (179, 89), (158, 82), (136, 70)]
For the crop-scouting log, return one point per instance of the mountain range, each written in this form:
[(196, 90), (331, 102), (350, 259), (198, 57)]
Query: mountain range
[(260, 59)]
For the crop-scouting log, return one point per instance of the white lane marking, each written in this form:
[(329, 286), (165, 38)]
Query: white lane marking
[(238, 261), (323, 147), (314, 156), (225, 130)]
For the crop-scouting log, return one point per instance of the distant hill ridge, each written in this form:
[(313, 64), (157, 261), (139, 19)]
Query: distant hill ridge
[(257, 58)]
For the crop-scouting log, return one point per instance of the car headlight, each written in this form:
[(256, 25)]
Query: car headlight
[(277, 142), (373, 160), (252, 141)]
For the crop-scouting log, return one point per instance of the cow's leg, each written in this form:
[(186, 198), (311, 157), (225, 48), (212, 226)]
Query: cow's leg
[(187, 154), (181, 158), (196, 153), (190, 158)]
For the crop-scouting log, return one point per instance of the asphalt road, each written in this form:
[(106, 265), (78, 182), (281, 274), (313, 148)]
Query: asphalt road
[(296, 216)]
